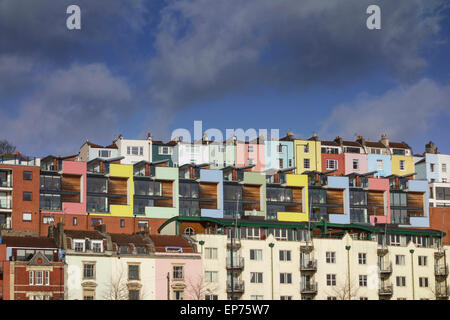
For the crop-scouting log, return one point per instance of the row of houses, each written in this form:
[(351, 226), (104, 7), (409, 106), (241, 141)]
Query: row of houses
[(223, 260)]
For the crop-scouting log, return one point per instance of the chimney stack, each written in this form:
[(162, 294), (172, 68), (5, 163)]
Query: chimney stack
[(361, 140), (384, 140), (339, 140), (430, 148)]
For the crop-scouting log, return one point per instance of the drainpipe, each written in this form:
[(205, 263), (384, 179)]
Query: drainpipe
[(348, 268), (271, 245), (412, 272), (168, 286)]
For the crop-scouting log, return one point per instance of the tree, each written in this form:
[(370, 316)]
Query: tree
[(197, 288), (341, 290), (6, 147), (118, 287)]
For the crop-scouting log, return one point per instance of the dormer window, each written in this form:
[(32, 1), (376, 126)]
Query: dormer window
[(104, 153), (97, 245), (79, 245), (123, 249), (141, 250)]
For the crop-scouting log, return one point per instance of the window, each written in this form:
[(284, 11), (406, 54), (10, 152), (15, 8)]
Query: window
[(89, 271), (39, 278), (251, 161), (104, 153), (256, 297), (189, 231), (178, 295), (142, 224), (290, 163), (78, 245), (285, 255), (285, 297), (286, 278), (47, 278), (27, 196), (444, 168), (253, 233), (165, 150), (332, 164), (331, 257), (74, 221), (26, 216), (97, 246), (255, 254), (133, 272), (400, 260), (400, 281), (379, 165), (331, 298), (306, 149), (211, 253), (280, 163), (362, 258), (256, 277), (250, 148), (402, 165), (395, 240), (423, 282), (355, 164), (211, 297), (122, 223), (178, 272), (31, 278), (135, 151), (306, 163), (422, 260), (211, 276), (47, 219), (27, 175), (331, 280), (96, 221), (363, 298), (133, 295), (375, 151), (363, 280), (88, 294), (432, 167)]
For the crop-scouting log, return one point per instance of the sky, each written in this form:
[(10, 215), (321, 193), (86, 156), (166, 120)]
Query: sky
[(154, 66)]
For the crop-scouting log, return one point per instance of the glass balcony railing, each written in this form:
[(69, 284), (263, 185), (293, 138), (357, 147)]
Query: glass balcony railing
[(5, 204), (97, 208), (5, 184)]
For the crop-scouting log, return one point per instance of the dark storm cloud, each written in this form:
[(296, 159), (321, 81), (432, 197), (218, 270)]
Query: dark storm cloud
[(208, 49), (71, 105)]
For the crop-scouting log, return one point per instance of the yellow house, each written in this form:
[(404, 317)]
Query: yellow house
[(121, 179), (402, 165), (307, 153), (297, 181)]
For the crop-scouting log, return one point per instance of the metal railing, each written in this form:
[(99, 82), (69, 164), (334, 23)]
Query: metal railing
[(238, 286), (385, 267), (310, 265), (5, 204), (238, 263), (440, 270), (386, 289), (308, 287), (5, 184)]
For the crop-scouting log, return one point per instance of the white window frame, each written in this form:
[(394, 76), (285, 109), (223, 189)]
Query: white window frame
[(335, 164), (27, 214), (39, 278), (257, 254), (31, 278), (211, 253), (379, 167), (82, 242), (330, 257), (47, 278), (355, 161), (402, 165), (97, 242)]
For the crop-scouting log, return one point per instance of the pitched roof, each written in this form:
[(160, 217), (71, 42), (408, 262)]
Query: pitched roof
[(170, 143), (374, 144), (329, 143), (82, 234), (161, 242), (351, 144), (399, 145), (126, 239), (29, 242)]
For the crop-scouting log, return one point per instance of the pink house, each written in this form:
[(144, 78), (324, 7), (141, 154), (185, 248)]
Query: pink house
[(378, 184), (251, 153), (356, 162), (178, 269)]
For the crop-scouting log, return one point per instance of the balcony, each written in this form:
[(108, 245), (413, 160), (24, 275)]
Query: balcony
[(310, 265), (440, 271), (385, 268), (386, 290), (382, 251), (190, 212), (236, 243), (5, 184), (442, 292), (308, 287), (307, 248), (238, 263), (5, 204), (238, 286)]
